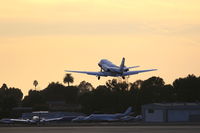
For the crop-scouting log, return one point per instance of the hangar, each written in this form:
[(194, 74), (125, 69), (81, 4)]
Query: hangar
[(171, 112)]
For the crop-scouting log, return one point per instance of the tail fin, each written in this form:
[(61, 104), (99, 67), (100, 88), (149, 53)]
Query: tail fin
[(128, 111), (122, 65)]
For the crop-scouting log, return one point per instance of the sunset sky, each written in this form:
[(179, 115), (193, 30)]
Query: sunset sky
[(39, 39)]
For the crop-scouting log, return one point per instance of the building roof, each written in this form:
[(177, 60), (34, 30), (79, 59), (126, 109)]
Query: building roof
[(172, 106)]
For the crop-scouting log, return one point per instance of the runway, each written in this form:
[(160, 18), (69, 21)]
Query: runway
[(103, 129)]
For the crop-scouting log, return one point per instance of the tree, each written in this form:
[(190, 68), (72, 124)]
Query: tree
[(136, 85), (102, 98), (114, 85), (9, 98), (55, 92), (168, 94), (68, 79), (14, 93), (34, 99), (187, 89), (4, 87), (58, 92), (35, 83), (151, 89), (135, 90), (85, 87), (3, 92)]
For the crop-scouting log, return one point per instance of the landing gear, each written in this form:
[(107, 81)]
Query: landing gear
[(101, 70), (123, 77)]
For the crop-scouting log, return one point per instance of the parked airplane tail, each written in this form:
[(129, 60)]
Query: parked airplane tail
[(128, 111), (122, 65)]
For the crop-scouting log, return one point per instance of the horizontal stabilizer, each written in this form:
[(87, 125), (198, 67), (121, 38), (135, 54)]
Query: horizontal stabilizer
[(133, 67)]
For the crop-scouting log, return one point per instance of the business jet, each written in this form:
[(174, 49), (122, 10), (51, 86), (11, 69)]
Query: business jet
[(104, 117), (110, 69)]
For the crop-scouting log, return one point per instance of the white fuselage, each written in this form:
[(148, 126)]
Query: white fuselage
[(108, 66)]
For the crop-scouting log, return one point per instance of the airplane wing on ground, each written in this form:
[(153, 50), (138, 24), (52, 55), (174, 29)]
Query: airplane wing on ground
[(89, 73), (136, 72), (10, 121), (59, 119)]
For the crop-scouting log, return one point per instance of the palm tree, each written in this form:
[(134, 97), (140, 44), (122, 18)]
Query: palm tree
[(35, 83), (68, 79)]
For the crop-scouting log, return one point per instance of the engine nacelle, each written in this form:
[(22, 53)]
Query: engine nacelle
[(126, 70)]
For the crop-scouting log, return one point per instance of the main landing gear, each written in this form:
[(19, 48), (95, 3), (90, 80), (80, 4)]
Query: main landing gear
[(101, 70)]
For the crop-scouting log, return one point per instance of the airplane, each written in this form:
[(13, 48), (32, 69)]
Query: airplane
[(110, 69), (103, 117), (19, 121), (36, 120)]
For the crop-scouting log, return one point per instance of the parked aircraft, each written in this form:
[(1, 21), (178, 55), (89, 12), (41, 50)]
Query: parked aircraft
[(126, 116), (36, 119), (110, 69), (19, 121), (103, 117)]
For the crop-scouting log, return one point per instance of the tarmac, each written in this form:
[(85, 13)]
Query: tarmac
[(105, 129)]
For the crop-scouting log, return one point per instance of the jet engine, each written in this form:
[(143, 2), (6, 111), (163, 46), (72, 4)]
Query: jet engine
[(126, 70)]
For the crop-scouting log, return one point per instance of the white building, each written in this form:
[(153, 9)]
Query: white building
[(171, 112)]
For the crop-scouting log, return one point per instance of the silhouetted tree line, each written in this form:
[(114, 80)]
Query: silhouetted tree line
[(53, 92), (9, 98), (114, 96)]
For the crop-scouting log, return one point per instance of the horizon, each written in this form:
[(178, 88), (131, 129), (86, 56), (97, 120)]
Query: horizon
[(39, 39), (118, 79)]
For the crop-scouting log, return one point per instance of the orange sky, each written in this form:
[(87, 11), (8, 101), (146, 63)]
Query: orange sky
[(39, 39)]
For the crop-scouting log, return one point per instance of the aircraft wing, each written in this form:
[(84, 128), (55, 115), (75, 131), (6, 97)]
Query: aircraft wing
[(89, 73), (18, 121), (136, 72), (51, 120)]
